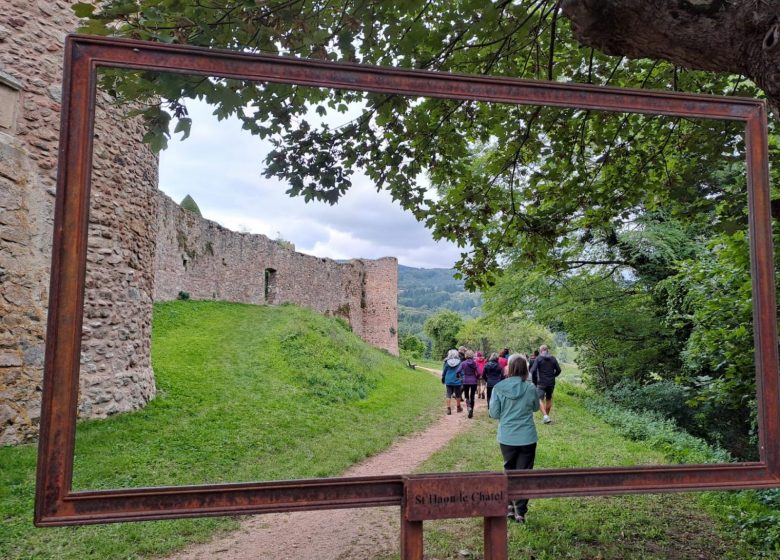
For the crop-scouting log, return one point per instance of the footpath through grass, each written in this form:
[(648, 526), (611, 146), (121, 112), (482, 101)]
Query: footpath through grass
[(648, 527), (244, 393)]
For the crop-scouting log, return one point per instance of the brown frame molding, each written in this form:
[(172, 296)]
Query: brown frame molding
[(57, 504)]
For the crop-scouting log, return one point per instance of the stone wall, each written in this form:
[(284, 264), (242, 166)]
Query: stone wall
[(116, 369), (116, 373), (208, 261), (124, 272), (380, 316)]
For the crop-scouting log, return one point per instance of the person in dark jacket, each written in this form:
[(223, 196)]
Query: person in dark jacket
[(493, 374), (468, 370), (531, 360), (543, 372), (513, 404), (452, 379)]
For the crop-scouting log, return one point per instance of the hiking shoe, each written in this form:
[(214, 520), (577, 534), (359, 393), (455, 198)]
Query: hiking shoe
[(546, 419), (471, 413), (460, 409), (449, 410), (513, 515)]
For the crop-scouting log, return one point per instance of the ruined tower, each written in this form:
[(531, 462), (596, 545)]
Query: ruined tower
[(116, 370)]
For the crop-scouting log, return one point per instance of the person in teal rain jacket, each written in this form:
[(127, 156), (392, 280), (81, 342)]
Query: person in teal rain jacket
[(452, 378), (513, 404)]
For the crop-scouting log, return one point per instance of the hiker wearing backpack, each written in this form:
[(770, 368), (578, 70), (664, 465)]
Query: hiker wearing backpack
[(451, 377), (469, 371), (543, 372), (481, 361), (492, 374), (503, 359)]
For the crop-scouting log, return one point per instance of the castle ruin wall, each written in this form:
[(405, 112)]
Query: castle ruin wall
[(116, 371), (208, 261), (380, 315)]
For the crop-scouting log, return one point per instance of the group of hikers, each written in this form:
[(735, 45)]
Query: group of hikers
[(512, 399)]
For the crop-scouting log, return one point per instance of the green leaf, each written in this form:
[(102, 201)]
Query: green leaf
[(184, 125)]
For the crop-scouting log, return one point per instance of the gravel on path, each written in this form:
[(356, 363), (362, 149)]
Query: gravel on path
[(344, 534)]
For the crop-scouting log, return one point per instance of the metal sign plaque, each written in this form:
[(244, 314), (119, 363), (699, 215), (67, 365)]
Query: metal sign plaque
[(450, 497)]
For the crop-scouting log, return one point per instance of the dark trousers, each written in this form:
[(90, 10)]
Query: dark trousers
[(470, 391), (518, 457), (489, 394)]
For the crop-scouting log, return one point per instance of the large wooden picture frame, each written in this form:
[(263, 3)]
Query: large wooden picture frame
[(56, 502)]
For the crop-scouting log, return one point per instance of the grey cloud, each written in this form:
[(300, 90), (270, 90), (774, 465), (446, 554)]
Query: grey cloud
[(220, 166)]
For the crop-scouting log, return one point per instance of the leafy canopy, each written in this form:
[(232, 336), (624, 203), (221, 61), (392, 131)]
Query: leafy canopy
[(443, 328), (503, 181)]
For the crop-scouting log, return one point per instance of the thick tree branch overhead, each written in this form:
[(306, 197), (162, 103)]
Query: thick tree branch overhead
[(734, 36), (537, 184)]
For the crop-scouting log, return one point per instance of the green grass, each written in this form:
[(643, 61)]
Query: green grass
[(646, 527), (425, 362), (244, 393), (570, 374)]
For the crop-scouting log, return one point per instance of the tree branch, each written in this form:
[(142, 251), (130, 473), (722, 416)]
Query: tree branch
[(735, 36)]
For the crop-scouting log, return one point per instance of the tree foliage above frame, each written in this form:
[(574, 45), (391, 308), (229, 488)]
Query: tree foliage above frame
[(505, 182)]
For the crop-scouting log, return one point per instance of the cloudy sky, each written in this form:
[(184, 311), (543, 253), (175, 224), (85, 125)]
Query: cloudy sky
[(219, 165)]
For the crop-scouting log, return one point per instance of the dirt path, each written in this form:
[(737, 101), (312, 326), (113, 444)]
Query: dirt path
[(347, 534)]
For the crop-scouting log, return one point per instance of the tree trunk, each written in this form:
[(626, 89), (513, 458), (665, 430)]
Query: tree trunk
[(735, 36)]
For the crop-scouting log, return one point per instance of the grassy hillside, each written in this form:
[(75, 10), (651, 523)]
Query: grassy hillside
[(244, 393)]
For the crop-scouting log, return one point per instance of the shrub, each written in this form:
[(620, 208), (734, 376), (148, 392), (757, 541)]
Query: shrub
[(666, 398), (188, 203), (754, 514), (411, 346), (183, 295), (661, 433)]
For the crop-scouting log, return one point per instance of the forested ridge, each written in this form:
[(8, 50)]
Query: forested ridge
[(424, 291)]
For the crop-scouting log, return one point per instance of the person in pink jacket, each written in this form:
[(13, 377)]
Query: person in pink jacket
[(481, 385)]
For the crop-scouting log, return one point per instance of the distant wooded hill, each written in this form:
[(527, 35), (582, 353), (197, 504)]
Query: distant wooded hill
[(424, 291)]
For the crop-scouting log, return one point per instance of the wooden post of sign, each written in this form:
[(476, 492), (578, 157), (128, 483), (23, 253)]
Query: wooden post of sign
[(411, 538), (496, 547), (450, 497)]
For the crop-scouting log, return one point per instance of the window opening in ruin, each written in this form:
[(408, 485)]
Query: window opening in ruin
[(270, 285)]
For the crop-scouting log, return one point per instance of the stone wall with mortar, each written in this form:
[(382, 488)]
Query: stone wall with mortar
[(124, 272), (380, 316), (116, 373), (208, 261)]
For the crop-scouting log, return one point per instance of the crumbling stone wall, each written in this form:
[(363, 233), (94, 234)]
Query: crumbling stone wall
[(380, 316), (116, 372), (124, 273), (208, 261)]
